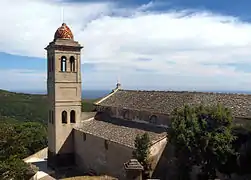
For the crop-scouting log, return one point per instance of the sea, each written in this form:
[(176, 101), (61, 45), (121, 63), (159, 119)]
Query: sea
[(94, 94), (86, 94)]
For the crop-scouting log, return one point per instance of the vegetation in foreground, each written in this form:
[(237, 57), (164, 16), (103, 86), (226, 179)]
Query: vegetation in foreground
[(142, 152), (204, 136), (19, 140)]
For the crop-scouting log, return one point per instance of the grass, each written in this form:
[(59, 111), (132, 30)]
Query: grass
[(90, 178)]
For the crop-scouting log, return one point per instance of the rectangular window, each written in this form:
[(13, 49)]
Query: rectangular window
[(49, 115), (52, 64), (84, 137), (48, 63), (106, 144), (52, 117)]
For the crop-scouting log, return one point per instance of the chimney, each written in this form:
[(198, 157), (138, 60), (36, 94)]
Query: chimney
[(133, 169)]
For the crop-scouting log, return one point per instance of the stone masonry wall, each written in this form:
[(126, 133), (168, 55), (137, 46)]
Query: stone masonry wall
[(134, 115), (92, 152), (148, 117)]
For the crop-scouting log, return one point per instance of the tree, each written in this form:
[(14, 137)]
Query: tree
[(142, 152), (21, 139), (202, 136), (17, 141), (244, 149), (15, 168)]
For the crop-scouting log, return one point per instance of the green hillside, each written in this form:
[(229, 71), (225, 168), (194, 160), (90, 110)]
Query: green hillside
[(23, 131), (28, 107)]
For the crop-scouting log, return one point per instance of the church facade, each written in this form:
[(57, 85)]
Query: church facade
[(103, 141)]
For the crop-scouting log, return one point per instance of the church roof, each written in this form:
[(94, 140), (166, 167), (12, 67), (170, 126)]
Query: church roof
[(165, 102), (121, 131)]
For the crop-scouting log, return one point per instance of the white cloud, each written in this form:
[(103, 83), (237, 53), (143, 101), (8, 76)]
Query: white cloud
[(179, 47), (22, 80), (28, 26)]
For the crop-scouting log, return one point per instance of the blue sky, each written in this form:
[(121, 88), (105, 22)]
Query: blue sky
[(161, 45)]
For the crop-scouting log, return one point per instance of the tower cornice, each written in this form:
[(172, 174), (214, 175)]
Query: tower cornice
[(64, 45)]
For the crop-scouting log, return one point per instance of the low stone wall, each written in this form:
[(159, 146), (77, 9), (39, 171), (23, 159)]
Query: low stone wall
[(42, 154)]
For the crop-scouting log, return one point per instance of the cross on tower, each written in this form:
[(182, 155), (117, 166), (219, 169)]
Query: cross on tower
[(62, 14)]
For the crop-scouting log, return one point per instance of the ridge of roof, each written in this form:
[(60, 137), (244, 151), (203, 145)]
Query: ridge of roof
[(176, 91), (105, 97)]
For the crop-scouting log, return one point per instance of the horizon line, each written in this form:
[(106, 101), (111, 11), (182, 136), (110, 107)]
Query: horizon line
[(109, 90)]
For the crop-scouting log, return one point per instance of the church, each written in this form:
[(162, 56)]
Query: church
[(103, 141)]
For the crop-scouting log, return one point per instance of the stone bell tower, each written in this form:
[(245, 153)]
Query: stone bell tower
[(64, 96)]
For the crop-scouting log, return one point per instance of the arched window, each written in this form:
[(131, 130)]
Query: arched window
[(64, 117), (126, 114), (153, 119), (63, 64), (72, 63), (73, 116)]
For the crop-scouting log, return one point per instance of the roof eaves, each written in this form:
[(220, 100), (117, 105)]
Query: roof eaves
[(103, 137)]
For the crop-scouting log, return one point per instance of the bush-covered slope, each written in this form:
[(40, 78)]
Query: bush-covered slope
[(28, 107), (23, 107)]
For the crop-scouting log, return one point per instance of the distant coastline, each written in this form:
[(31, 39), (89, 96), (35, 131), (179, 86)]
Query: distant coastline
[(86, 94), (94, 94)]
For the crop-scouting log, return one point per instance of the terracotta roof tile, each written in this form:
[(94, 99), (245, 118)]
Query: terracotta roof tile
[(165, 101)]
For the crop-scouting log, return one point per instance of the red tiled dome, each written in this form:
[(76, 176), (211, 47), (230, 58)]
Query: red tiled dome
[(63, 32)]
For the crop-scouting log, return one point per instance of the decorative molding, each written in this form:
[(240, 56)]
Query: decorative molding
[(67, 48)]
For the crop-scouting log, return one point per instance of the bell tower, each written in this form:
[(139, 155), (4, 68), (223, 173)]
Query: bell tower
[(64, 96)]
